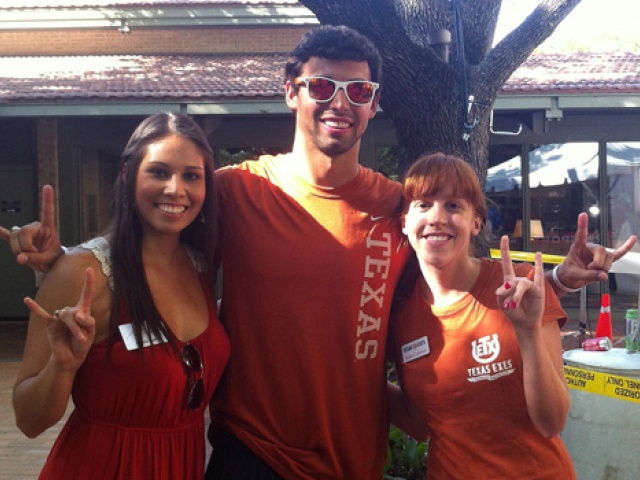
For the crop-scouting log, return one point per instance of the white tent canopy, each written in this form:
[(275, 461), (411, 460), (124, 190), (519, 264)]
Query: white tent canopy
[(556, 164)]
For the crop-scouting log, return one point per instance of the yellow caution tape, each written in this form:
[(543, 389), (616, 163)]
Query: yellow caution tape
[(614, 386), (528, 256)]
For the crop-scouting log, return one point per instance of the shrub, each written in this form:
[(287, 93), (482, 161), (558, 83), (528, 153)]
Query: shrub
[(406, 458)]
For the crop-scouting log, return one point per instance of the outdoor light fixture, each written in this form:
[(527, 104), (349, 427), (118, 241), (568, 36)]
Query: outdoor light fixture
[(439, 40), (124, 27)]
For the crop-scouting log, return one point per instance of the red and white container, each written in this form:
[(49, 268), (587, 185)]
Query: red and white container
[(599, 344)]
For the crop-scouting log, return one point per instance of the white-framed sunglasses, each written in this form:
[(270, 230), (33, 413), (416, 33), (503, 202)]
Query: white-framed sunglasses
[(323, 89)]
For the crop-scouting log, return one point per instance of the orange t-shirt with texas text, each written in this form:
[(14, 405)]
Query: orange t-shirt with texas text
[(308, 277)]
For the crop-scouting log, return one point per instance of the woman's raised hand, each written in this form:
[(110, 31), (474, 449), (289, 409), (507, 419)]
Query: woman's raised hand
[(71, 330), (521, 299)]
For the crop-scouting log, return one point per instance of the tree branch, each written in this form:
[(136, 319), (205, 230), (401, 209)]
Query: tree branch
[(517, 46), (479, 23)]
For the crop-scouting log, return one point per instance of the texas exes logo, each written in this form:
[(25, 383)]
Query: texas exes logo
[(484, 351)]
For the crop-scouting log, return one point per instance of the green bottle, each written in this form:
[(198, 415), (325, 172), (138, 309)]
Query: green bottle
[(632, 338)]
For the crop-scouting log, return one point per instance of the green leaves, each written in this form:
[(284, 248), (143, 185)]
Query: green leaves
[(406, 458)]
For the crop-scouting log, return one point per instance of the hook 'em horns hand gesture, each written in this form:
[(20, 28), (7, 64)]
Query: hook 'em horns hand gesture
[(36, 245)]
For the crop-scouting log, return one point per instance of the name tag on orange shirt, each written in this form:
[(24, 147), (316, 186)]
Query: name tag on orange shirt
[(416, 349)]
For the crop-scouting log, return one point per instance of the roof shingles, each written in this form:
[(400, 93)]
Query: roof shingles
[(577, 73), (248, 76), (135, 76)]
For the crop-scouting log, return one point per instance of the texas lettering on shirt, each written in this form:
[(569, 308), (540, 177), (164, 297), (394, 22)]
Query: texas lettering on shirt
[(376, 273)]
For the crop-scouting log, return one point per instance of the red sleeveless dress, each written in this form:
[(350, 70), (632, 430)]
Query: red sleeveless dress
[(131, 420)]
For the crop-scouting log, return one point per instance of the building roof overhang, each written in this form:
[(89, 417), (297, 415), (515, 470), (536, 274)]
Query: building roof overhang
[(554, 104), (244, 83)]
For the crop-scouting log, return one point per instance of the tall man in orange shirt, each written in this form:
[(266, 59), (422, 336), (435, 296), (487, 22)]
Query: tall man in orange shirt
[(310, 257), (310, 260)]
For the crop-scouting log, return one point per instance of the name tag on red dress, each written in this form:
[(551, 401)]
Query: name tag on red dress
[(129, 338)]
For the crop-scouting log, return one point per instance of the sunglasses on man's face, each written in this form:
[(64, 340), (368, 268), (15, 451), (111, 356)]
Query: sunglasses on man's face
[(195, 385), (322, 89)]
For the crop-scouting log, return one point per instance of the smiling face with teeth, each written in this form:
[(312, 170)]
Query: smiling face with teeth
[(333, 128), (170, 185), (445, 210), (440, 228)]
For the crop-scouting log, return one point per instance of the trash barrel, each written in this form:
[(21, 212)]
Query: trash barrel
[(603, 425)]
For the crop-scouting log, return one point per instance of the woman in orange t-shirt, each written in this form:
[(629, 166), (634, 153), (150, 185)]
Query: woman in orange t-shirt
[(476, 341)]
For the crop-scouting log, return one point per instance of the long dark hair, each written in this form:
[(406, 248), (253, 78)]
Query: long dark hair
[(131, 290)]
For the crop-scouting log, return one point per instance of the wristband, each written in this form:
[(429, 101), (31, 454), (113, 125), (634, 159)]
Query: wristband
[(559, 284)]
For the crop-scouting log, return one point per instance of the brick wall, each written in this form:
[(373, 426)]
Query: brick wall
[(150, 41)]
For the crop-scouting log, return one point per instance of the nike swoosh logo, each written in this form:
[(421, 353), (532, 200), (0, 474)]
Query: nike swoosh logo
[(375, 219)]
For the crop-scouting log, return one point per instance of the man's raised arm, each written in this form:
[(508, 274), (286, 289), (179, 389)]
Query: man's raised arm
[(586, 262), (37, 244)]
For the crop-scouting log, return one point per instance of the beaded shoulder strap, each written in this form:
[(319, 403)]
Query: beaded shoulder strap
[(102, 251)]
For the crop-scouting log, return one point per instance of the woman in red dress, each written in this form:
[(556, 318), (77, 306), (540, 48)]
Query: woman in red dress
[(141, 352)]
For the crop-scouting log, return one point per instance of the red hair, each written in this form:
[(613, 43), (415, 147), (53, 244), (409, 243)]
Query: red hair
[(431, 173)]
